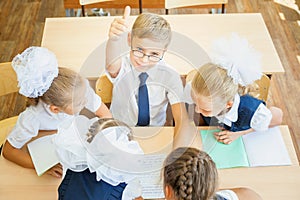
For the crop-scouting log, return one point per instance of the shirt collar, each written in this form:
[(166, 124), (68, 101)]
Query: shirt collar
[(46, 107), (152, 72), (232, 114)]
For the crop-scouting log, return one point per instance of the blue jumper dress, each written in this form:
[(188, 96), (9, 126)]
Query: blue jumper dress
[(248, 106), (84, 186)]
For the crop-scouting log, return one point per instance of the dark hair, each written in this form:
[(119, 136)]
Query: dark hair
[(191, 174)]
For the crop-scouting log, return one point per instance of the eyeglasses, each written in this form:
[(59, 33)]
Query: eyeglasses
[(140, 54)]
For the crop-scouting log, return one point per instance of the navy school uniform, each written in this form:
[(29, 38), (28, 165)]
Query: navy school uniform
[(84, 186), (218, 197), (248, 106)]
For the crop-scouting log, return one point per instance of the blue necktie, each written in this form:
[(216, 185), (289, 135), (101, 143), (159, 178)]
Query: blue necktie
[(143, 101)]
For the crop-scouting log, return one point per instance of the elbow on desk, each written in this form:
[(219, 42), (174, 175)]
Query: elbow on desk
[(277, 116), (17, 156), (5, 150)]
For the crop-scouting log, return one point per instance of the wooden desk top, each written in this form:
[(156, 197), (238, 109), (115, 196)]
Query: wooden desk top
[(133, 4), (79, 43), (279, 182), (270, 182)]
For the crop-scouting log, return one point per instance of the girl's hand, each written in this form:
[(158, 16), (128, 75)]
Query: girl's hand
[(119, 25), (226, 136), (56, 171)]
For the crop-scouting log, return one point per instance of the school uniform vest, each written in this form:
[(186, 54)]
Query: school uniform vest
[(248, 106), (219, 197), (84, 186)]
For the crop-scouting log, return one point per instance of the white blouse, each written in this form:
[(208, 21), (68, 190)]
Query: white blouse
[(228, 194), (39, 117), (107, 154), (259, 122)]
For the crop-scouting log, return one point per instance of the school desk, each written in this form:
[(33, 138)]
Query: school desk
[(277, 183), (70, 4), (79, 43)]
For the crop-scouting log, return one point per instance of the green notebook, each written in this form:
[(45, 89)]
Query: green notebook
[(224, 155)]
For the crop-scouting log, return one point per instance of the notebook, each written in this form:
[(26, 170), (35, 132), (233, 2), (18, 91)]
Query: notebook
[(43, 154), (265, 148), (225, 156)]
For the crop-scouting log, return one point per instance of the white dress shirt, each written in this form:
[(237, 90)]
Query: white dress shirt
[(164, 86)]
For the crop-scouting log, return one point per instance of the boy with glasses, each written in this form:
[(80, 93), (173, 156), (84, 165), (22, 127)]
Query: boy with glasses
[(143, 83)]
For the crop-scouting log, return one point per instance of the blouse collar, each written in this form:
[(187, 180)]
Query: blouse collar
[(232, 114)]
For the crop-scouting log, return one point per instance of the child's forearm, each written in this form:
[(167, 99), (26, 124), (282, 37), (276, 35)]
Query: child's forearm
[(185, 132), (103, 111), (113, 60), (187, 136), (17, 156), (241, 133), (277, 116), (117, 44)]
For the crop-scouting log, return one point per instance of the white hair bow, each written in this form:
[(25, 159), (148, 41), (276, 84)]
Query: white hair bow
[(36, 68), (239, 58)]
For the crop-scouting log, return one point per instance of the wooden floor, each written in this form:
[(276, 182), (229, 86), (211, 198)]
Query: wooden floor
[(22, 23)]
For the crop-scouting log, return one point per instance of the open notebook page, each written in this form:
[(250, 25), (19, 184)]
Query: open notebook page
[(43, 154), (225, 156), (266, 148)]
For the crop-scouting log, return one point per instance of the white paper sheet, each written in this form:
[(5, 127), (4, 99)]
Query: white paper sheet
[(43, 154), (151, 180), (152, 186), (266, 148)]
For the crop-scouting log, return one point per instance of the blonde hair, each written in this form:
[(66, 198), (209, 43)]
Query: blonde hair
[(212, 80), (191, 174), (104, 123), (62, 90), (152, 26)]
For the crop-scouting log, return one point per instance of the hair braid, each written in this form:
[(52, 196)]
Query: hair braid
[(103, 123), (191, 173)]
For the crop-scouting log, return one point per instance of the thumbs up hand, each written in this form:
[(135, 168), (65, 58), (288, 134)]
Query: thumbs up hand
[(120, 25), (126, 12)]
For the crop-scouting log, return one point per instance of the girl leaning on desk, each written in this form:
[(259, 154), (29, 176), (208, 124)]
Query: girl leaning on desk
[(55, 94), (88, 160)]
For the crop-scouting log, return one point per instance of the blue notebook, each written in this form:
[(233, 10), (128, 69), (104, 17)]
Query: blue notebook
[(225, 156)]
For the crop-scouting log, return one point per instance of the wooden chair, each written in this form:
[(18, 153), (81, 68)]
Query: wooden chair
[(8, 85), (87, 2), (104, 89), (169, 4), (259, 89)]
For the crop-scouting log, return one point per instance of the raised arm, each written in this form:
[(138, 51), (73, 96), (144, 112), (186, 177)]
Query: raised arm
[(186, 133), (117, 36)]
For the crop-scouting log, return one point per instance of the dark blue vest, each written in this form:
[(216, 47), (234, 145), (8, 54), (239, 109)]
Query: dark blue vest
[(248, 106), (218, 197), (83, 185)]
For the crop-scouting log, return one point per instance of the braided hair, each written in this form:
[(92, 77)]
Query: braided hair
[(191, 174), (103, 123)]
